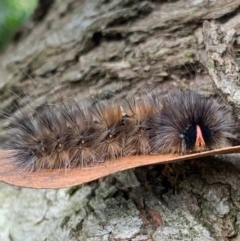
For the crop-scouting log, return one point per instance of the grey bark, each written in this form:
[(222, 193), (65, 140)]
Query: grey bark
[(86, 48)]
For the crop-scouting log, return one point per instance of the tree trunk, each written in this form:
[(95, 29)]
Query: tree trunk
[(84, 48)]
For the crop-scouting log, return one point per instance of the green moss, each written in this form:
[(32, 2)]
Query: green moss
[(13, 13)]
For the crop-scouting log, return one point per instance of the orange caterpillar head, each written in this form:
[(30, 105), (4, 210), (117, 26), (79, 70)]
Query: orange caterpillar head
[(189, 122)]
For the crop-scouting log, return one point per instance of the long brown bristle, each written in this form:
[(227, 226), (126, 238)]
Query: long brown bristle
[(137, 112), (109, 139)]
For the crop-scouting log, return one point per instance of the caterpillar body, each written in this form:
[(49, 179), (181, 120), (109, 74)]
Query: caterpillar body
[(80, 135)]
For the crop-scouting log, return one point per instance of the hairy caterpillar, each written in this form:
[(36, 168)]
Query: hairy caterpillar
[(79, 135)]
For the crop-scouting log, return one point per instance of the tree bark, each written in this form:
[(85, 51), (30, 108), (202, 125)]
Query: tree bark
[(84, 48)]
